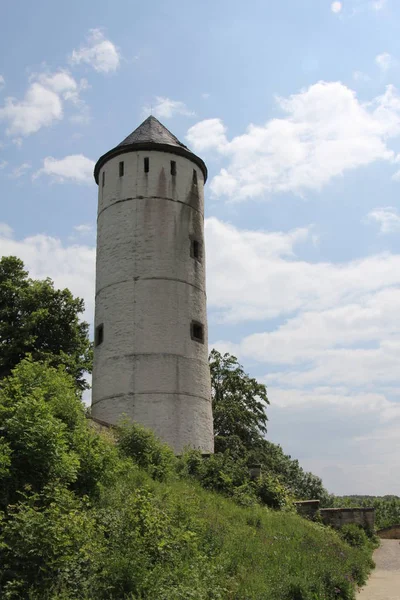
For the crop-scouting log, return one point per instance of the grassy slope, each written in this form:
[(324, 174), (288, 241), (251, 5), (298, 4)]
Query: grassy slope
[(253, 553)]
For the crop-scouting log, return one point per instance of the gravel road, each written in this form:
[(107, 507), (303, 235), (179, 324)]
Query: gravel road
[(384, 583)]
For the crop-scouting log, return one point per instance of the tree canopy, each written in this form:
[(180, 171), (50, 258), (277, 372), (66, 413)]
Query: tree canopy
[(38, 320), (239, 402)]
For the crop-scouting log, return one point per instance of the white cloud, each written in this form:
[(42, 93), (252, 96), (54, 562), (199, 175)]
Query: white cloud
[(100, 53), (327, 338), (2, 82), (385, 61), (84, 229), (336, 7), (387, 217), (208, 134), (20, 171), (327, 131), (255, 274), (75, 168), (46, 256), (42, 104), (3, 164), (39, 108), (165, 108)]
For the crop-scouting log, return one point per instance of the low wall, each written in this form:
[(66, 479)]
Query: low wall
[(337, 517), (307, 508), (390, 533)]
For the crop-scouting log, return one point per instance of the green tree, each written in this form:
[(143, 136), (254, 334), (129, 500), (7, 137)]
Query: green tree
[(239, 403), (39, 320), (45, 438)]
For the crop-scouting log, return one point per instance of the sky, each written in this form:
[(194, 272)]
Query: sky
[(295, 107)]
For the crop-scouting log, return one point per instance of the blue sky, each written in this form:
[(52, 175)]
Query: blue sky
[(294, 106)]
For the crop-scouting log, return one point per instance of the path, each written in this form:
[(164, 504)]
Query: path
[(384, 583)]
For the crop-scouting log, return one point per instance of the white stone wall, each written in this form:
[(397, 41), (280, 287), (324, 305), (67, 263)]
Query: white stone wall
[(148, 291)]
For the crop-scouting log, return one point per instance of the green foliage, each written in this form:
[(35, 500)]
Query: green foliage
[(302, 484), (91, 517), (239, 401), (44, 435), (143, 539), (49, 542), (354, 535), (140, 444), (39, 320), (272, 492), (220, 472)]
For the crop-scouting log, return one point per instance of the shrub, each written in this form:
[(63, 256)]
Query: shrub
[(354, 535), (140, 444), (272, 492), (49, 542), (45, 436)]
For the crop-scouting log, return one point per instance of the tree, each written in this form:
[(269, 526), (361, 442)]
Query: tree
[(39, 320), (239, 403), (45, 438)]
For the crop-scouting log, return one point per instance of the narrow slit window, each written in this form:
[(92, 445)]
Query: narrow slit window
[(121, 168), (146, 164), (173, 168), (197, 332), (194, 177), (99, 335), (195, 249), (103, 179)]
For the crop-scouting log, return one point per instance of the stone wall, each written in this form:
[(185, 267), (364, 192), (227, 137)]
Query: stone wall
[(307, 508), (390, 533), (337, 517)]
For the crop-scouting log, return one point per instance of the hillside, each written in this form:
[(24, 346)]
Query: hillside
[(89, 516)]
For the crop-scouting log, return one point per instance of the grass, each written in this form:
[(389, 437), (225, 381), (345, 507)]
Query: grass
[(250, 553)]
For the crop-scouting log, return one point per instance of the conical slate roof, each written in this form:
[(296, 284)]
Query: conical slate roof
[(150, 135), (151, 130)]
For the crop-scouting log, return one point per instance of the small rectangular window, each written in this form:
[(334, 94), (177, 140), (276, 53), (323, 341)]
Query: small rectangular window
[(194, 177), (197, 332), (99, 335), (146, 164), (173, 168), (103, 179), (195, 249), (121, 168)]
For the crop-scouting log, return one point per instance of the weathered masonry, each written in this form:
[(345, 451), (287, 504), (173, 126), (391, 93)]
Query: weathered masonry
[(151, 352), (337, 517)]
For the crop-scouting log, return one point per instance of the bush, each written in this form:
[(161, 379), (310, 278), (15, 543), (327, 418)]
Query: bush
[(354, 535), (45, 437), (220, 472), (272, 492), (49, 542), (140, 444)]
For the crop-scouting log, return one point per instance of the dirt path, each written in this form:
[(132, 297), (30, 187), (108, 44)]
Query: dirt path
[(384, 583)]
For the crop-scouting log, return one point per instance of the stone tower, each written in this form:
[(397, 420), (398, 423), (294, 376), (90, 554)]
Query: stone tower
[(151, 352)]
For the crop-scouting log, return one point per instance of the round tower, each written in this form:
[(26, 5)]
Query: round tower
[(151, 351)]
